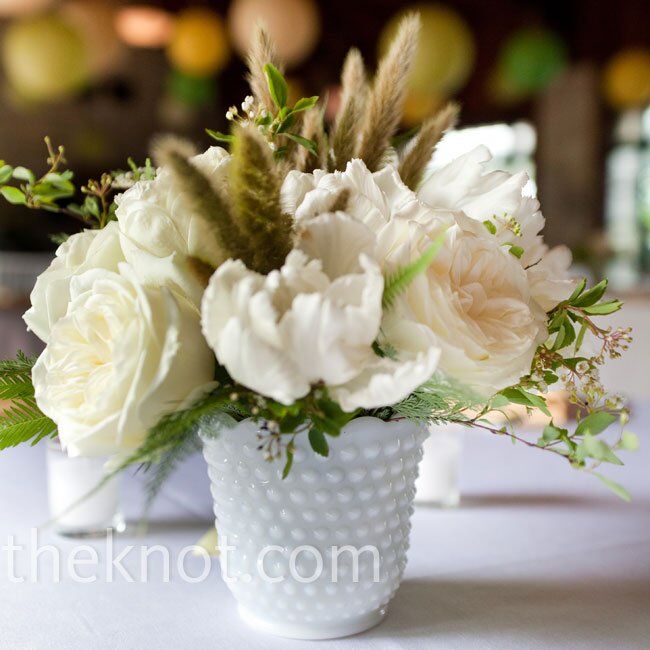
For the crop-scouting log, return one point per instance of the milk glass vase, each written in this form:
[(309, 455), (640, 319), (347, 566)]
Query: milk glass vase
[(76, 508), (319, 554)]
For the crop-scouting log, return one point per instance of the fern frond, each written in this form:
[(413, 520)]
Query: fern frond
[(398, 281), (438, 400), (255, 188), (22, 364), (417, 157), (347, 125), (22, 421), (16, 377), (386, 101)]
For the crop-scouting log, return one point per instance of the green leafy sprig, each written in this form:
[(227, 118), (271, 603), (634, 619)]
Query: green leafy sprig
[(276, 126), (55, 189)]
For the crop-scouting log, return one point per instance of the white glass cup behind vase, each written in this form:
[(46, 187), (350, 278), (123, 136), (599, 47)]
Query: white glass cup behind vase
[(76, 509), (319, 554), (438, 480)]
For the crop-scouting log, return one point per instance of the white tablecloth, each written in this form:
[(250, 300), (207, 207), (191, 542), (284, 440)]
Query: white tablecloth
[(537, 556)]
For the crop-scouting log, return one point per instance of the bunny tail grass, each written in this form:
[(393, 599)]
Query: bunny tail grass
[(171, 153), (386, 101), (347, 125), (255, 186), (418, 155), (262, 51)]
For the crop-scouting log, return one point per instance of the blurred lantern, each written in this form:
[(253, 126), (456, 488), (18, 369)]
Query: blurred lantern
[(626, 79), (194, 92), (500, 91), (22, 7), (144, 26), (294, 25), (94, 20), (199, 45), (530, 59), (44, 57), (419, 106), (445, 55)]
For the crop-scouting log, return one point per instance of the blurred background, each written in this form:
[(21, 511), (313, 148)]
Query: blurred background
[(559, 89)]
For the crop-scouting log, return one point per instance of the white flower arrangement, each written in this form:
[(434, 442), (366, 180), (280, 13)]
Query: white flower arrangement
[(302, 279)]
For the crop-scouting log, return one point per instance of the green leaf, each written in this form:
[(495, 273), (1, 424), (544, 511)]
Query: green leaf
[(580, 338), (398, 281), (24, 174), (595, 423), (604, 308), (578, 290), (220, 137), (277, 85), (629, 441), (616, 488), (592, 296), (520, 396), (285, 124), (551, 432), (310, 145), (5, 173), (305, 104), (288, 465), (592, 447), (13, 195), (318, 442)]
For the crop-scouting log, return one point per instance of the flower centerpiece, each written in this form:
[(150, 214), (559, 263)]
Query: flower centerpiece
[(306, 302)]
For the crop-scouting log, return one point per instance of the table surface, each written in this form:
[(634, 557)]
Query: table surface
[(536, 556)]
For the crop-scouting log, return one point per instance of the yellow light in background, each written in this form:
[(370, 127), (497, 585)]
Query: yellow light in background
[(44, 58), (199, 45), (626, 81), (294, 25), (144, 26), (22, 7)]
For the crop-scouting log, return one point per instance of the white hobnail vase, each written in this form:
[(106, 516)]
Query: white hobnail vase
[(360, 496)]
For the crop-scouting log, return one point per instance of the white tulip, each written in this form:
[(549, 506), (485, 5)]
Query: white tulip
[(89, 249), (122, 357), (159, 231)]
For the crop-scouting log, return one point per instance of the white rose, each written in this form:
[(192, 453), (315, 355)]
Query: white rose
[(86, 250), (122, 357), (497, 197), (159, 231)]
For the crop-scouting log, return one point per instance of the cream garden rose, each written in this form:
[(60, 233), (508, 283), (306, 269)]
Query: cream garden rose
[(159, 230), (89, 249), (122, 356), (498, 198)]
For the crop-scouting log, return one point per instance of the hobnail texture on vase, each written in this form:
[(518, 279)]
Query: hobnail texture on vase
[(360, 496)]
